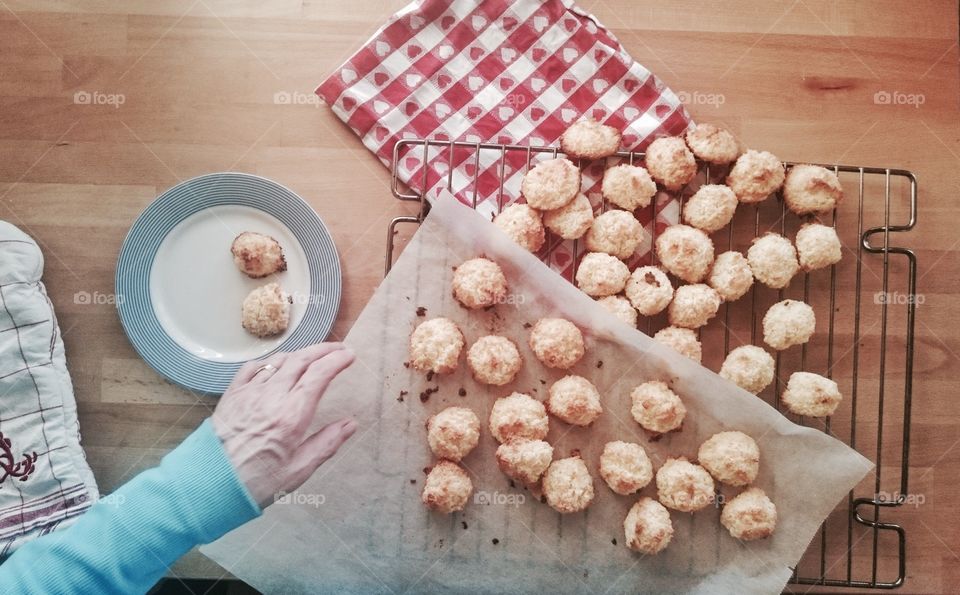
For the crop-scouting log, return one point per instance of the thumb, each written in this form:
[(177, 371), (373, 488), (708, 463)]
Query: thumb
[(319, 447)]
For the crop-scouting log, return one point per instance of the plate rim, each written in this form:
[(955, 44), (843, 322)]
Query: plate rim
[(125, 261)]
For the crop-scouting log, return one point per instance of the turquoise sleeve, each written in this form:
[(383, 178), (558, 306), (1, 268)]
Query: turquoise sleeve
[(127, 541)]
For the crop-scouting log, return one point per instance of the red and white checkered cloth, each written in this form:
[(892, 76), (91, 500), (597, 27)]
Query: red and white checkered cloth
[(497, 71)]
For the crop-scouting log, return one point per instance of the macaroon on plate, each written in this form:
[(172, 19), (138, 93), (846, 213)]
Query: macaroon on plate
[(179, 290)]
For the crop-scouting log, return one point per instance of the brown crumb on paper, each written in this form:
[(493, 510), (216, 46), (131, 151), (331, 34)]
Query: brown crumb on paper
[(462, 392), (403, 393), (495, 541), (465, 526), (425, 395), (421, 311)]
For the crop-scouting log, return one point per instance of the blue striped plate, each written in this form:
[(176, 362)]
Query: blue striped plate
[(179, 292)]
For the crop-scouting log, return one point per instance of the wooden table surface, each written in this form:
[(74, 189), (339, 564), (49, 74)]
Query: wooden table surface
[(198, 77)]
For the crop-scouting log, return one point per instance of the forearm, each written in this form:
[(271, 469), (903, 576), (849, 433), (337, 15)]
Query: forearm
[(126, 542)]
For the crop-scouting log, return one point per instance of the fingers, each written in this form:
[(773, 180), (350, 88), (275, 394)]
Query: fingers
[(322, 445), (311, 386), (297, 362)]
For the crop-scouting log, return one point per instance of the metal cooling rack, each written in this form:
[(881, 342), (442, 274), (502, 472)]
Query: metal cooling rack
[(855, 547)]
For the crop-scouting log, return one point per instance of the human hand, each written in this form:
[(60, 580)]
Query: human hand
[(264, 417)]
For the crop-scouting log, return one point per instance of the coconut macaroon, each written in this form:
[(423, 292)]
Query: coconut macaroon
[(657, 408), (647, 528), (710, 208), (681, 340), (818, 246), (625, 467), (257, 255), (575, 400), (447, 488), (557, 342), (567, 485), (435, 346), (266, 311), (517, 416), (629, 187), (550, 184), (572, 220), (523, 225), (524, 460), (811, 189), (713, 144), (684, 486), (649, 290), (750, 515), (616, 232), (732, 458), (479, 283), (749, 367), (773, 260), (600, 274), (811, 394), (788, 323), (453, 433), (755, 176), (670, 162), (693, 305), (731, 276), (620, 307), (588, 139), (685, 251), (494, 360)]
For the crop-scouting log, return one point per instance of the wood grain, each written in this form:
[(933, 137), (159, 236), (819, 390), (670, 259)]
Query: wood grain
[(198, 78)]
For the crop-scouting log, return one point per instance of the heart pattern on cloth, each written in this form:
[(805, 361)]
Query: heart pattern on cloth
[(513, 72)]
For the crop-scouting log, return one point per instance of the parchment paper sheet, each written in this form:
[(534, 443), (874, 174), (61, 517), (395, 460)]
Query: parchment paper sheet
[(358, 525)]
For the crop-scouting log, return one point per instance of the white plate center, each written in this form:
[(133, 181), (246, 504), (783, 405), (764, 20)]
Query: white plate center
[(197, 290)]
